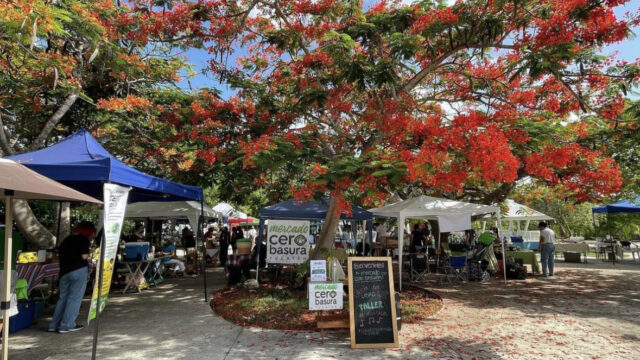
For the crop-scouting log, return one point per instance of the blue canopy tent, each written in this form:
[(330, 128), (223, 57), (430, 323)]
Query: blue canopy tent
[(80, 162), (310, 210), (622, 206)]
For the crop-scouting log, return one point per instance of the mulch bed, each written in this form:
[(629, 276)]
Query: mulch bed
[(283, 308)]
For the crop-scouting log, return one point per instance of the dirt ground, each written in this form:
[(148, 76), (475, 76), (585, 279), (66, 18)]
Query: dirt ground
[(586, 311)]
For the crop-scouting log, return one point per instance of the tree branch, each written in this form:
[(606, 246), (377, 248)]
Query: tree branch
[(4, 142), (53, 121)]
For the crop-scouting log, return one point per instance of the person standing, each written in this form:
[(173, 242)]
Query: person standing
[(224, 245), (547, 248), (73, 253), (236, 235), (253, 234)]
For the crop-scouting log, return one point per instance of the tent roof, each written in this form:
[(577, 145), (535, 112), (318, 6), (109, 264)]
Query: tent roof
[(79, 161), (431, 207), (521, 212), (28, 184), (310, 210), (225, 209), (622, 206), (168, 210)]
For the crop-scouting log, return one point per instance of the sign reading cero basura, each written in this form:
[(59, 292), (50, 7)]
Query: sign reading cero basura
[(325, 296), (287, 241)]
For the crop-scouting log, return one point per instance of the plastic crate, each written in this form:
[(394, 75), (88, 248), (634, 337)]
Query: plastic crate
[(23, 319)]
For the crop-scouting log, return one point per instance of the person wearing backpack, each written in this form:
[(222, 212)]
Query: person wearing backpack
[(547, 248)]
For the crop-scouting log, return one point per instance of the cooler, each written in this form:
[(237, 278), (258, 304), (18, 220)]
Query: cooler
[(136, 251)]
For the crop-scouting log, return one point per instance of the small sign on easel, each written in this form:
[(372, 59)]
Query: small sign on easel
[(318, 270)]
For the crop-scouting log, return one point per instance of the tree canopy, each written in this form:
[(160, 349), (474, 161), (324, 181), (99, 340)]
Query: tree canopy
[(459, 100)]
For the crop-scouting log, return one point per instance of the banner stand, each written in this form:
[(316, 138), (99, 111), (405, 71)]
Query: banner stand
[(97, 320)]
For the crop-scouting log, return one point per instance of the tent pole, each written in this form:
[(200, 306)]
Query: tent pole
[(6, 295), (400, 246), (100, 271), (259, 245), (204, 251), (438, 250), (504, 262), (59, 219), (370, 230)]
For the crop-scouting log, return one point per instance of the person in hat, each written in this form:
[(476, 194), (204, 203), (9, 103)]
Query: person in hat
[(547, 248), (73, 253)]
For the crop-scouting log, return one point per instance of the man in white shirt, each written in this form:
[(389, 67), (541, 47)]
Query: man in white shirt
[(547, 248)]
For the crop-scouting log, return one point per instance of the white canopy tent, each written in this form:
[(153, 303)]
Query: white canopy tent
[(160, 210), (19, 182), (517, 213), (229, 211), (430, 208)]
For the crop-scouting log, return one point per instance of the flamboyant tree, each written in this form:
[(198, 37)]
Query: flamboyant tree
[(64, 63), (460, 100)]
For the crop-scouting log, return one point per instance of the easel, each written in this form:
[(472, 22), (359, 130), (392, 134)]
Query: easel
[(326, 320), (331, 321)]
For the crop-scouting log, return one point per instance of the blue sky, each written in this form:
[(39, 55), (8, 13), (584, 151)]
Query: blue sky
[(628, 50)]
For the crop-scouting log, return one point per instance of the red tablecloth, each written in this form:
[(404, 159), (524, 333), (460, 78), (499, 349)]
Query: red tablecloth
[(34, 273), (238, 259)]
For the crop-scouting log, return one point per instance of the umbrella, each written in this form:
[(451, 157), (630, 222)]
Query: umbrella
[(19, 182)]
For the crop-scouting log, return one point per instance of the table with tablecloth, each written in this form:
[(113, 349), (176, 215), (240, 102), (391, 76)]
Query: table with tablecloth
[(35, 273), (527, 257), (572, 247)]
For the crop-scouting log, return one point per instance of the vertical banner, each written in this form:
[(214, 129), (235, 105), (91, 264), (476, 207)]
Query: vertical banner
[(115, 203), (287, 241)]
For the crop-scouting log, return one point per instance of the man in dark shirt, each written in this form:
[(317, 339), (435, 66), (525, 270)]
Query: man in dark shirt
[(73, 253)]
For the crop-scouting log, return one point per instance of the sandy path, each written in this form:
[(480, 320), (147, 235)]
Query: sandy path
[(584, 312)]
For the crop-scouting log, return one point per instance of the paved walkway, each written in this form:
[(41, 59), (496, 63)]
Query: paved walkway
[(586, 312)]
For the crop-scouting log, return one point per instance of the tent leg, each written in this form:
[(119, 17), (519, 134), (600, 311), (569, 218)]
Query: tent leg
[(370, 230), (258, 246), (59, 220), (100, 270), (438, 252), (204, 251), (504, 262), (400, 247), (6, 295)]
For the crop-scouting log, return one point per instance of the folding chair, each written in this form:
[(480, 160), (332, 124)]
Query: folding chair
[(419, 268), (455, 269)]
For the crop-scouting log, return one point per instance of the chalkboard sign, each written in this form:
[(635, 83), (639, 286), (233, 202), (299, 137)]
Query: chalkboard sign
[(372, 307)]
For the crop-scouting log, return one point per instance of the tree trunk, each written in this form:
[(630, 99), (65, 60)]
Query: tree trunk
[(64, 221), (327, 235), (30, 227)]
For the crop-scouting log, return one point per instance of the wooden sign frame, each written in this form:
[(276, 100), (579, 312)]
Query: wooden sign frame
[(394, 320)]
